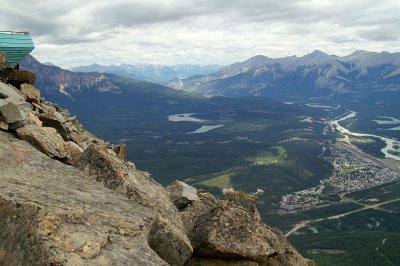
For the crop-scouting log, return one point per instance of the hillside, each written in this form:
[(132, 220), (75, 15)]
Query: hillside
[(317, 75), (68, 197)]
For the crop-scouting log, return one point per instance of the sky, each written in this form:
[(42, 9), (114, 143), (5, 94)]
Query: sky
[(72, 33)]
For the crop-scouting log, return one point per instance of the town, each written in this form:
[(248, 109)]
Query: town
[(353, 170)]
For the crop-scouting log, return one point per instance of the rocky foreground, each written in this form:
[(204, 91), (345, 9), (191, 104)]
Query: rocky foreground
[(70, 198)]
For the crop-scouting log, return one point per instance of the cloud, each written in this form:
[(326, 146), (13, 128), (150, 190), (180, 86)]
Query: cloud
[(73, 32)]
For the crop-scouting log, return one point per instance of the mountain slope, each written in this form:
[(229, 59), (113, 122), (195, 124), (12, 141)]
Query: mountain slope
[(153, 73), (87, 93), (313, 75)]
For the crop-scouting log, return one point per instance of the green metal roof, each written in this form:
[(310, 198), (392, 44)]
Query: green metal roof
[(16, 45)]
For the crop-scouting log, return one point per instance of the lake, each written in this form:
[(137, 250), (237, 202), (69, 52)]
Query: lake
[(184, 117), (205, 128)]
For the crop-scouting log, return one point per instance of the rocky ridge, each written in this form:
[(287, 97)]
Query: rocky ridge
[(313, 75), (70, 198)]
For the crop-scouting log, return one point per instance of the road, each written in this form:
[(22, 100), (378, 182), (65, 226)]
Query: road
[(366, 207)]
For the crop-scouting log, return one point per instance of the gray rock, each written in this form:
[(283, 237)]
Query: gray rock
[(45, 139), (220, 229), (74, 152), (246, 201), (35, 119), (9, 112), (48, 109), (38, 107), (71, 118), (52, 214), (70, 127), (51, 120), (60, 117), (32, 94), (182, 194), (167, 236), (3, 126), (84, 138), (200, 211), (11, 94), (18, 99)]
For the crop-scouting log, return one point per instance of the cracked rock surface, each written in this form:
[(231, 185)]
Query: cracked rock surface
[(52, 214)]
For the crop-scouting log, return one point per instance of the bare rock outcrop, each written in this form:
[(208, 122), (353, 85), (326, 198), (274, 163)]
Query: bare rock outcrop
[(231, 230), (9, 112), (32, 94), (182, 194), (167, 236), (53, 214), (45, 139), (51, 120)]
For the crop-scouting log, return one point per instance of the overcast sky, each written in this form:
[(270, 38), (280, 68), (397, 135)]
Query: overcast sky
[(80, 32)]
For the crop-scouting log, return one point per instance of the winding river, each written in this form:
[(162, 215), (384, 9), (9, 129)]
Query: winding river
[(391, 144)]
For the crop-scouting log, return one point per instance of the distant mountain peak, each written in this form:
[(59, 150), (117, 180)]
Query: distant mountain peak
[(318, 53), (150, 72), (316, 57), (316, 73)]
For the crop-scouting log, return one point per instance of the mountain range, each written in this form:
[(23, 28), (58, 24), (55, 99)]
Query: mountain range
[(150, 72), (314, 75)]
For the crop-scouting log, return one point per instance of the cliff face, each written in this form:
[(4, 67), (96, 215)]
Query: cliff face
[(70, 198)]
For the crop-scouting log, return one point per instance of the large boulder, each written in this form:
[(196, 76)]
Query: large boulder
[(45, 139), (84, 138), (74, 152), (51, 120), (11, 94), (223, 229), (35, 119), (182, 194), (32, 94), (166, 237), (9, 112), (244, 200), (52, 214)]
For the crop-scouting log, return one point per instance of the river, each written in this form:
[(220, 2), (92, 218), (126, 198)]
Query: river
[(391, 144)]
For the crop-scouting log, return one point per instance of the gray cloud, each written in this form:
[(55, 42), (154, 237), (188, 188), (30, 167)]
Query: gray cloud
[(74, 32)]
